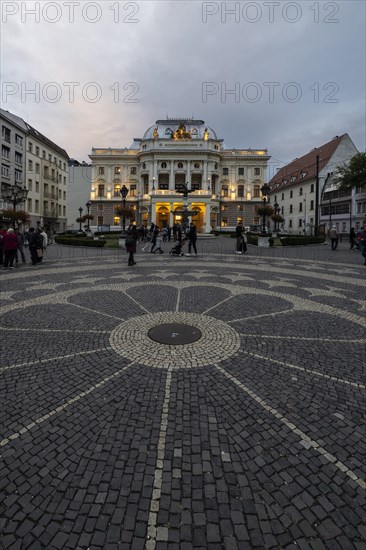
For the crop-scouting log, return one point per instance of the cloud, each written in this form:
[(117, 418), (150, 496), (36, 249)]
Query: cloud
[(163, 59)]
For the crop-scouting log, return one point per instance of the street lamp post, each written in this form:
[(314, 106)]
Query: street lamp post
[(124, 193), (265, 189), (276, 209), (81, 213), (88, 205), (15, 195)]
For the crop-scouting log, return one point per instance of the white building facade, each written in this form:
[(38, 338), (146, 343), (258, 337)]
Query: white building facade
[(225, 184), (294, 189)]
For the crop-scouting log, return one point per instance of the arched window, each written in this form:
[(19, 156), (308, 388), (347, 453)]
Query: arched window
[(117, 189), (163, 165), (180, 164), (196, 165), (144, 165)]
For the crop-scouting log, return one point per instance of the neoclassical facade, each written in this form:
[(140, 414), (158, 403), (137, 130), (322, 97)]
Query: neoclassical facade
[(225, 183)]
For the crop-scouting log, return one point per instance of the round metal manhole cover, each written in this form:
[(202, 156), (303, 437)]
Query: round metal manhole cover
[(174, 334)]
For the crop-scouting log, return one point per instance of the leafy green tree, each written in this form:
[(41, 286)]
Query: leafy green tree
[(354, 173)]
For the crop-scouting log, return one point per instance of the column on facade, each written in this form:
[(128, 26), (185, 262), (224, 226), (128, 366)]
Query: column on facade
[(153, 211), (171, 176), (155, 175), (204, 183), (188, 174), (208, 217), (110, 184), (151, 173)]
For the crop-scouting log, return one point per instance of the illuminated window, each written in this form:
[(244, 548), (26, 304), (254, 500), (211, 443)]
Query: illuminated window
[(117, 170), (225, 191), (117, 189), (116, 220), (132, 190), (224, 222), (239, 220)]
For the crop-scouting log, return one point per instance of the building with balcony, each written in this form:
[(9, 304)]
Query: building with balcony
[(224, 183), (32, 161), (294, 188)]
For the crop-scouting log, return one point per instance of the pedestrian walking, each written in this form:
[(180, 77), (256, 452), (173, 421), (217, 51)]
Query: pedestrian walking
[(192, 239), (238, 234), (361, 240), (130, 243), (35, 242), (334, 237), (21, 242), (153, 238), (352, 239), (159, 240)]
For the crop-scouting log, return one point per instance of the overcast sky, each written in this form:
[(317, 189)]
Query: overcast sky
[(288, 76)]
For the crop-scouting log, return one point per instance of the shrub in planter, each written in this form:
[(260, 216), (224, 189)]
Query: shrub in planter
[(295, 240)]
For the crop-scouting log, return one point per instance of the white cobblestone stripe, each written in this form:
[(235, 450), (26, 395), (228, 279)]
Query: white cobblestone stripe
[(61, 408), (306, 441), (34, 363), (358, 385), (153, 531)]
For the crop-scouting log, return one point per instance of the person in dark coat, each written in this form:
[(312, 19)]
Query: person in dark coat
[(10, 246), (131, 240), (192, 238), (352, 239)]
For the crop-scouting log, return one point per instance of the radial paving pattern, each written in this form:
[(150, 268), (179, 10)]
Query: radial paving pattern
[(250, 436)]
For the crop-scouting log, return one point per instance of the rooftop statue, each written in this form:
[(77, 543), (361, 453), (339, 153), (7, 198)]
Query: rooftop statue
[(182, 132)]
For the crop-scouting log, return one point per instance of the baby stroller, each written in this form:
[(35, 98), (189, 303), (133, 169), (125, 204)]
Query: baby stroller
[(177, 250)]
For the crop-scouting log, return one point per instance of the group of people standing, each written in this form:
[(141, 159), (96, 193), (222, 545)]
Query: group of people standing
[(13, 242), (155, 236), (241, 239)]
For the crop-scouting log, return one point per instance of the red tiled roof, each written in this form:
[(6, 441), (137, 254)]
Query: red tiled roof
[(305, 165)]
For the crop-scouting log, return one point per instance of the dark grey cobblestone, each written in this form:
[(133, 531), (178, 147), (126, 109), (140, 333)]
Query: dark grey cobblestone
[(100, 452)]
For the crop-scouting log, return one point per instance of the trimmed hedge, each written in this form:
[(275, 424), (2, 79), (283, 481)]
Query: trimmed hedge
[(106, 233), (294, 240), (78, 241)]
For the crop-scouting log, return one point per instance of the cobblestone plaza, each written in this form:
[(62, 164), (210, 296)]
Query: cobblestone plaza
[(250, 436)]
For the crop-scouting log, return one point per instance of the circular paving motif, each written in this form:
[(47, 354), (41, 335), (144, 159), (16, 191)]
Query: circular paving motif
[(218, 341), (174, 334)]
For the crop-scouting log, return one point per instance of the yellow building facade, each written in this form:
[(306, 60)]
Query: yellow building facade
[(224, 183)]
